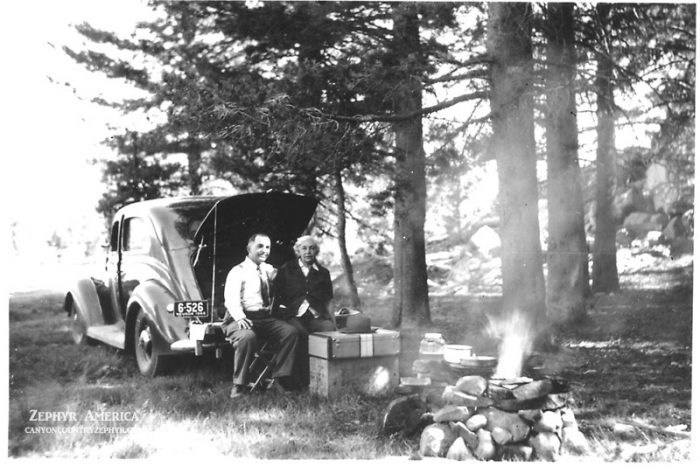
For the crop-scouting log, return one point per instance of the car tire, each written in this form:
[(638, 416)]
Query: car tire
[(148, 360), (78, 329)]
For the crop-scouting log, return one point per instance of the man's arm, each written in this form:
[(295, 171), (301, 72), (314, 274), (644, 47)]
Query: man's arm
[(232, 294)]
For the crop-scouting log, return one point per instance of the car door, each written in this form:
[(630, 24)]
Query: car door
[(137, 259), (113, 276)]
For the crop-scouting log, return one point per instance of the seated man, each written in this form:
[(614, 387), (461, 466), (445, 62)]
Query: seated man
[(303, 290), (248, 316)]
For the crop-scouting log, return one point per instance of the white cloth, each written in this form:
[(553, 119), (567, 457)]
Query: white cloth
[(242, 290)]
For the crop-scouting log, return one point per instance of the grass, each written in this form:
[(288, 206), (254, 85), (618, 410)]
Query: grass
[(630, 361)]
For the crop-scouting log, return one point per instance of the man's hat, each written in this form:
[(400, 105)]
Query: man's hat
[(356, 323)]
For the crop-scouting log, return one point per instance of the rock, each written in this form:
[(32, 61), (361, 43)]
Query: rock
[(514, 405), (533, 390), (469, 437), (639, 223), (485, 241), (452, 413), (573, 441), (554, 401), (508, 421), (501, 436), (550, 421), (681, 246), (567, 417), (498, 393), (546, 446), (486, 449), (453, 396), (476, 422), (531, 415), (474, 385), (458, 451), (404, 415), (675, 229), (516, 452), (435, 440)]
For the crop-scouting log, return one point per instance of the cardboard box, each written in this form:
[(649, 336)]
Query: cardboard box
[(338, 345), (373, 376)]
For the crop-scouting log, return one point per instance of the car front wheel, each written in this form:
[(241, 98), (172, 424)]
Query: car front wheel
[(78, 330), (150, 363)]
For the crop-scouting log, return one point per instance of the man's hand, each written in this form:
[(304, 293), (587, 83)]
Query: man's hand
[(244, 323)]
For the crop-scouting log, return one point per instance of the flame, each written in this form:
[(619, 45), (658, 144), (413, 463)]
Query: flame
[(516, 335)]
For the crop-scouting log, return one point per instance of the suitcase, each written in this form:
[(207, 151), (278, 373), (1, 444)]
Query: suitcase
[(332, 345)]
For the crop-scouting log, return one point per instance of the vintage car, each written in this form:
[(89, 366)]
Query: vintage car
[(162, 289)]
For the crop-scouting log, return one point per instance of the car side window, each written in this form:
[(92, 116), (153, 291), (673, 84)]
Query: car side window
[(136, 235), (114, 237)]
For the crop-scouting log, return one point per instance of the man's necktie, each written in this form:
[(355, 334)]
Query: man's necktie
[(264, 288)]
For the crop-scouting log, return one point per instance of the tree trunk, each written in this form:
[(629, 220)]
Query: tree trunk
[(605, 278), (567, 256), (342, 244), (509, 45), (411, 308), (194, 160)]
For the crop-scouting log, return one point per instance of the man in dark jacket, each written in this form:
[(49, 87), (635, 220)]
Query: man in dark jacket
[(303, 291)]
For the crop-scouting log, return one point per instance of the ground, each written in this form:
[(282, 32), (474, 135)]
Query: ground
[(629, 366)]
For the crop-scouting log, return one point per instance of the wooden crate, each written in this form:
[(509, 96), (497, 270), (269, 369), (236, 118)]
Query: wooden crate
[(372, 376)]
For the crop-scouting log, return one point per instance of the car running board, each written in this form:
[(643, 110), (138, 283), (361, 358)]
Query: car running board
[(111, 334)]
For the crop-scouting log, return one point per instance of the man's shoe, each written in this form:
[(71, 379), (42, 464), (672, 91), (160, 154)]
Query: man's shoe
[(237, 391)]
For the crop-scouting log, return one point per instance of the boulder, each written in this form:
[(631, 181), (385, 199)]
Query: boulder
[(458, 451), (508, 421), (639, 223), (675, 228), (546, 446), (473, 384), (531, 415), (435, 440), (486, 449), (573, 441), (470, 437), (404, 415), (554, 401), (486, 241), (533, 390), (567, 417), (550, 421), (501, 436), (452, 413), (453, 396), (476, 422)]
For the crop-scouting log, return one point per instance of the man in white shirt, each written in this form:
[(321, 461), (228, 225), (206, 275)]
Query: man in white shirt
[(247, 297)]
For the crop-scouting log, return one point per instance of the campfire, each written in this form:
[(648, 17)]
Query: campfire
[(486, 408)]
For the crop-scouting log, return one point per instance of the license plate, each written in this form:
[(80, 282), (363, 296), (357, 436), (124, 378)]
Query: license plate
[(191, 309)]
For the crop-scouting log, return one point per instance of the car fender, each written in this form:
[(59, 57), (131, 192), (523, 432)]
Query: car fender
[(84, 294), (153, 298)]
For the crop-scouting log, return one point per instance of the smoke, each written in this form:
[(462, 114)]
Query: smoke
[(516, 335)]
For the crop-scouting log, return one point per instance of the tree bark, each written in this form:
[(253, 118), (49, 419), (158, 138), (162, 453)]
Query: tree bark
[(509, 45), (194, 160), (342, 244), (567, 255), (411, 307), (605, 278)]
